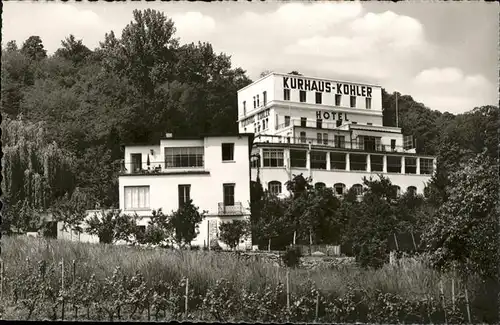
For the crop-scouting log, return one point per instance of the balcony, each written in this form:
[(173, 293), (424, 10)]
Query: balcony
[(157, 169), (231, 210), (331, 143)]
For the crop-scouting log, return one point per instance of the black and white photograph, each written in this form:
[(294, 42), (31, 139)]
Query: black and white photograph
[(257, 162)]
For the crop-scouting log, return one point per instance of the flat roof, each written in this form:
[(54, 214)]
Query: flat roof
[(308, 77), (201, 137)]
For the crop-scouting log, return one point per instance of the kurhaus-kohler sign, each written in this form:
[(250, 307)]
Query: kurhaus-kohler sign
[(326, 86)]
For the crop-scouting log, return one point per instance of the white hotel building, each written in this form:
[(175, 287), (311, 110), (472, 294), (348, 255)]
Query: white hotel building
[(329, 130), (213, 171)]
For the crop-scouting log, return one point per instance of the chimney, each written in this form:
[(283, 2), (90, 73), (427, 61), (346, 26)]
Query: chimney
[(168, 135)]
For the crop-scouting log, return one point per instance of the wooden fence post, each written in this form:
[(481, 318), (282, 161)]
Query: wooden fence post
[(186, 300), (317, 306), (453, 293), (396, 241), (442, 299), (2, 274), (467, 303), (62, 288), (288, 290), (75, 308)]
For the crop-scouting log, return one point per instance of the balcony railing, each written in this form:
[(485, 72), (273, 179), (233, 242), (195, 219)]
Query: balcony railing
[(153, 168), (354, 145), (231, 210)]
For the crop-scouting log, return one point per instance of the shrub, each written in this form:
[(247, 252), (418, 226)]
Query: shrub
[(292, 256)]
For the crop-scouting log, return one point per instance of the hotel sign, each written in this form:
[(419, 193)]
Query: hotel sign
[(326, 86)]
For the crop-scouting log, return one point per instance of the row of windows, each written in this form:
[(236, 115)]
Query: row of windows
[(185, 157), (274, 187), (357, 162), (319, 98), (256, 102), (137, 197)]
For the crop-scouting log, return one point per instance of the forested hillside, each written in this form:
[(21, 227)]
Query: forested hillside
[(65, 115)]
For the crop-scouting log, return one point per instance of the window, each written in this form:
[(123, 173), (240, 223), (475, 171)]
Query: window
[(184, 192), (354, 122), (184, 157), (358, 162), (396, 190), (264, 98), (228, 190), (263, 124), (286, 94), (319, 123), (376, 163), (274, 187), (337, 99), (393, 145), (318, 98), (287, 120), (320, 138), (302, 94), (337, 160), (136, 159), (339, 141), (244, 108), (412, 190), (353, 101), (325, 138), (426, 166), (267, 123), (339, 123), (369, 143), (254, 102), (393, 164), (302, 137), (318, 159), (273, 157), (258, 103), (368, 103), (410, 165), (276, 121), (319, 185), (227, 151), (258, 127), (369, 123), (303, 122), (339, 188), (298, 158), (136, 197), (357, 189)]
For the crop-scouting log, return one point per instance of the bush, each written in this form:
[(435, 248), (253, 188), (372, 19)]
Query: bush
[(214, 245), (292, 256)]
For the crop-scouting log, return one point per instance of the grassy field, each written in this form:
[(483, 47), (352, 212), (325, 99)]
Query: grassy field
[(249, 291)]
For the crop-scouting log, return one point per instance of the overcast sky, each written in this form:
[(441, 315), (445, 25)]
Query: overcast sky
[(443, 54)]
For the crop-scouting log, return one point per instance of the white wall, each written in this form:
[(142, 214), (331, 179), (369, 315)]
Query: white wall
[(256, 88), (206, 189)]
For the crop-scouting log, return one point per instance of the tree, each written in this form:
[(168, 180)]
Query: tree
[(464, 232), (158, 231), (375, 221), (265, 73), (33, 48), (269, 226), (185, 223), (232, 232), (72, 211), (112, 226), (73, 50)]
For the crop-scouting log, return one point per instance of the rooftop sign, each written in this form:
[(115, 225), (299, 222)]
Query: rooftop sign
[(326, 86)]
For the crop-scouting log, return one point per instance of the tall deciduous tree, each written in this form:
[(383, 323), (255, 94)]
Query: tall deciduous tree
[(465, 229), (73, 50), (33, 48)]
